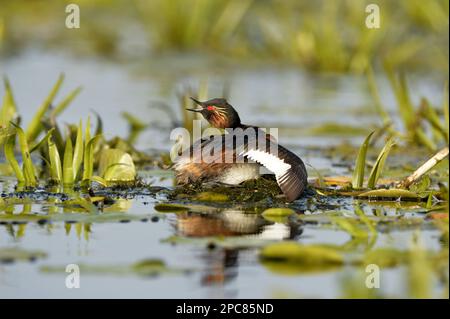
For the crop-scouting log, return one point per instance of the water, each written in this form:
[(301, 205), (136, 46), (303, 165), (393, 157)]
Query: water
[(286, 98)]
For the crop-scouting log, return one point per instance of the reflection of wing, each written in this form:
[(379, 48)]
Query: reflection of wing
[(288, 168)]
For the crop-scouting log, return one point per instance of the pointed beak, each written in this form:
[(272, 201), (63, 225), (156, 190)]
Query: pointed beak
[(197, 102), (195, 110)]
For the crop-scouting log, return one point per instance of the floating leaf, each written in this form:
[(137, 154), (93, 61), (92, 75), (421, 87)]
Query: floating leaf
[(302, 254), (389, 193), (148, 267), (351, 226), (211, 197), (385, 257), (8, 255), (278, 212), (170, 208)]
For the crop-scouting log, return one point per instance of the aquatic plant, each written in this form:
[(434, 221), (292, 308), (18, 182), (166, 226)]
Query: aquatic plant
[(360, 164), (313, 35), (68, 160), (422, 125)]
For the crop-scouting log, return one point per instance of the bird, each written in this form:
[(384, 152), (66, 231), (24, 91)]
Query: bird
[(233, 159)]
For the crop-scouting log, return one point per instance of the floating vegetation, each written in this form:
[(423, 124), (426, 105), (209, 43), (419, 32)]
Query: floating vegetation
[(11, 255), (278, 212), (143, 268)]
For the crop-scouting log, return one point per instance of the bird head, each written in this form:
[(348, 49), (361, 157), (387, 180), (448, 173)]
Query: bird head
[(218, 112)]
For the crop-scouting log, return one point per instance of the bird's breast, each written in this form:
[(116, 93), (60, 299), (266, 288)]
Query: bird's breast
[(239, 173)]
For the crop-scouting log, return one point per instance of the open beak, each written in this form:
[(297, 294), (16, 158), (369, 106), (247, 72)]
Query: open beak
[(195, 110), (197, 102)]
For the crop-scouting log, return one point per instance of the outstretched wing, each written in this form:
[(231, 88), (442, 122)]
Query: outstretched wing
[(288, 168)]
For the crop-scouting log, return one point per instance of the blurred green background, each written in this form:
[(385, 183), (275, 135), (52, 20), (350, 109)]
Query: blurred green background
[(325, 36)]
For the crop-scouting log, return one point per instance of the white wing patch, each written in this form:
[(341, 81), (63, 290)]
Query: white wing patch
[(271, 162)]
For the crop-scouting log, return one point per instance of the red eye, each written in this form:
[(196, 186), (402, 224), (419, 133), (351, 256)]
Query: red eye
[(210, 108)]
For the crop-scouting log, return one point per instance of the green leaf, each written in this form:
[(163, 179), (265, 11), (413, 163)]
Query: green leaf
[(278, 212), (28, 167), (211, 197), (366, 220), (55, 161), (99, 127), (9, 154), (88, 166), (445, 110), (61, 106), (99, 180), (290, 251), (389, 193), (68, 177), (116, 165), (376, 97), (351, 226), (360, 163), (430, 114), (379, 164), (35, 126), (9, 109), (78, 152), (404, 104), (42, 141), (17, 254)]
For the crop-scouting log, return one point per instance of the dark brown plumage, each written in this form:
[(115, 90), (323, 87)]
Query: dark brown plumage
[(246, 148)]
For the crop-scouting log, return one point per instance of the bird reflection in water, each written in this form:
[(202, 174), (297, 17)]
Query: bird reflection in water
[(221, 263)]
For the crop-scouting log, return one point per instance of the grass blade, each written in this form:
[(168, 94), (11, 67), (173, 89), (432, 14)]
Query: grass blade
[(376, 97), (61, 106), (89, 158), (360, 163), (9, 108), (28, 167), (405, 108), (445, 110), (99, 127), (42, 142), (35, 126), (78, 151), (55, 161), (379, 164), (9, 155), (68, 163), (430, 114)]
